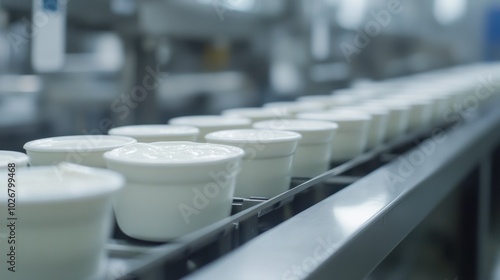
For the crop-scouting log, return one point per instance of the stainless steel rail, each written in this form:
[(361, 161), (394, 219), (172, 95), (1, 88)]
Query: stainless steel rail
[(320, 226)]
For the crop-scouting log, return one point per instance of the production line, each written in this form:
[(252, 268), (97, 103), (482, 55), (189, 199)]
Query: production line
[(249, 139)]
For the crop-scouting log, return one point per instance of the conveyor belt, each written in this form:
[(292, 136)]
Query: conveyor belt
[(360, 223)]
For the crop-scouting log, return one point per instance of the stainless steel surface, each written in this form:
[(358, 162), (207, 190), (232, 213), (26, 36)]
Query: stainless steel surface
[(175, 17)]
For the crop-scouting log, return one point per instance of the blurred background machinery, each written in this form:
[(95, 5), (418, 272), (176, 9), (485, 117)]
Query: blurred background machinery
[(207, 55)]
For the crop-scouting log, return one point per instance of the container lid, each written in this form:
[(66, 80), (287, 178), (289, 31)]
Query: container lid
[(292, 107), (78, 142), (154, 130), (368, 108), (210, 121), (412, 99), (172, 153), (258, 143), (312, 131), (315, 98), (330, 100), (338, 115), (63, 182), (7, 157), (255, 112), (254, 135), (345, 118), (355, 91), (297, 125), (389, 104), (361, 94), (425, 93)]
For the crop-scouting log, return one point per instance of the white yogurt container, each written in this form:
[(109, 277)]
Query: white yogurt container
[(293, 107), (452, 93), (377, 89), (80, 149), (444, 100), (440, 104), (378, 126), (313, 154), (398, 119), (330, 101), (209, 123), (326, 99), (6, 157), (173, 188), (352, 134), (267, 165), (64, 221), (439, 110), (421, 111), (257, 114), (357, 95), (157, 132)]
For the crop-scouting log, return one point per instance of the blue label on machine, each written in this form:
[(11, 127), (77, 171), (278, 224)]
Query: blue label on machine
[(492, 32), (50, 5)]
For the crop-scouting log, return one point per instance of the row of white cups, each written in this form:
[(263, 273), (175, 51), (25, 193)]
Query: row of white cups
[(165, 181)]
